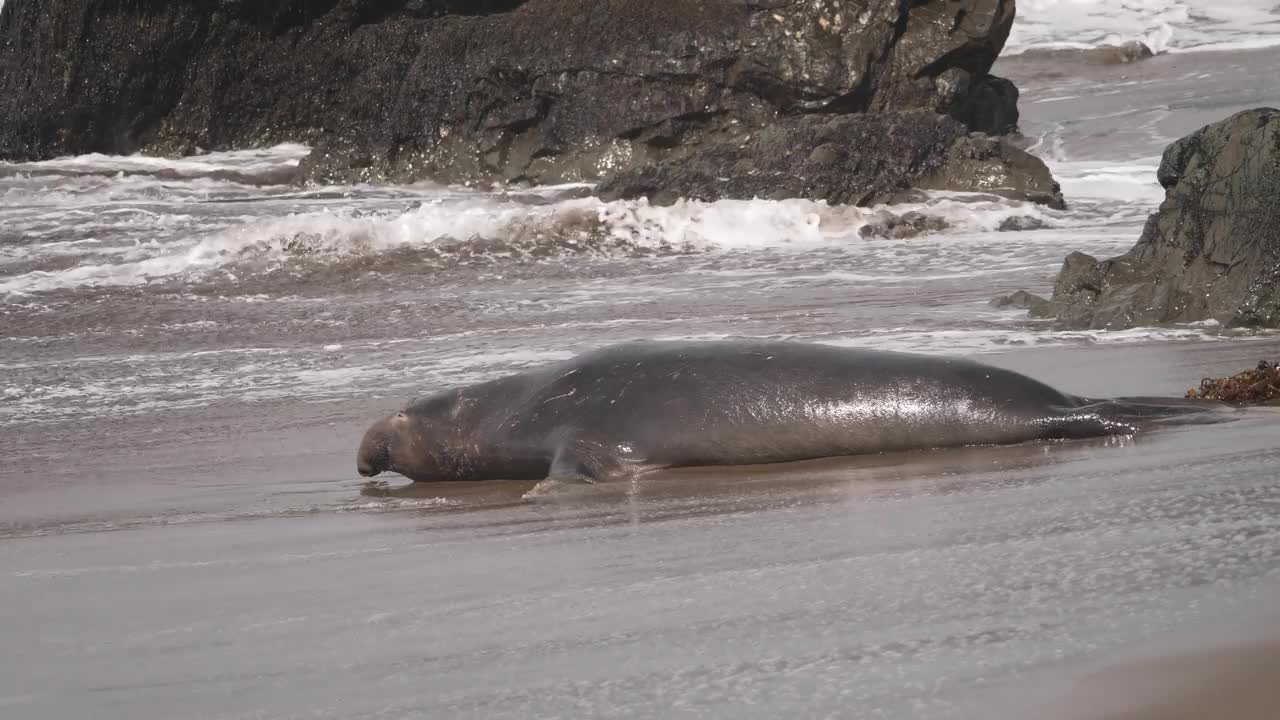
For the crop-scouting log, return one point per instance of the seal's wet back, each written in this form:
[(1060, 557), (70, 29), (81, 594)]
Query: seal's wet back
[(622, 410)]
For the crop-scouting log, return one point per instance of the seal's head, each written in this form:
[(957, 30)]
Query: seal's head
[(420, 442), (375, 454)]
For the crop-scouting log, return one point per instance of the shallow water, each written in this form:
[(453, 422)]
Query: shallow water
[(190, 350)]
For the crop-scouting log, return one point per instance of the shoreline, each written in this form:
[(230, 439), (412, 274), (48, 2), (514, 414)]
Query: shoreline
[(263, 459)]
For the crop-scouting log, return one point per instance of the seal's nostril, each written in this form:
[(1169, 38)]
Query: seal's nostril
[(366, 468), (374, 455)]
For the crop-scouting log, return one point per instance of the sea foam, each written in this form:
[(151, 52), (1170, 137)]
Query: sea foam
[(453, 225), (1163, 25)]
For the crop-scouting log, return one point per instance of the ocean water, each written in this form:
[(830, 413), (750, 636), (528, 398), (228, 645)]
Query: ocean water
[(132, 285), (190, 350), (172, 283), (1163, 25)]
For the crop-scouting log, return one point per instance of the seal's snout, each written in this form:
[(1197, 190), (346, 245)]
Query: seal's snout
[(374, 455), (367, 468)]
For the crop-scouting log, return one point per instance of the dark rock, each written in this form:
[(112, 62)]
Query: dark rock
[(1022, 223), (1212, 251), (1076, 289), (907, 225), (533, 90), (990, 107), (978, 163), (942, 60), (1121, 54), (1129, 52), (850, 159), (1037, 306)]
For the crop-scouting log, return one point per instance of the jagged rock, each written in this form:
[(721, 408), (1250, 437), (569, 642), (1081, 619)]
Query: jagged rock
[(1212, 251), (897, 227), (1021, 223), (528, 90), (1132, 51), (850, 159), (1123, 54), (942, 60), (979, 163), (1036, 306), (990, 107)]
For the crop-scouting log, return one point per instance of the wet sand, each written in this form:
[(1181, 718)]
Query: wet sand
[(228, 566), (1211, 671)]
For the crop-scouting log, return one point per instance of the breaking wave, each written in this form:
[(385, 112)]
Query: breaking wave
[(449, 228), (1162, 25)]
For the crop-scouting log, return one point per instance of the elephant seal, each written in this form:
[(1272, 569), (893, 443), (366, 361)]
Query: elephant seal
[(623, 410)]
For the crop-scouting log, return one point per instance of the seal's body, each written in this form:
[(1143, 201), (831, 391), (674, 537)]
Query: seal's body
[(615, 412)]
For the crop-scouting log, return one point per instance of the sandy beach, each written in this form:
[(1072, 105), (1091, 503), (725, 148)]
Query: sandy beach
[(1218, 667), (232, 568)]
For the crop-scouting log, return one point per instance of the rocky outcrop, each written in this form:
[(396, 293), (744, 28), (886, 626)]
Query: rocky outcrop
[(848, 159), (529, 90), (1211, 252), (1036, 306), (1130, 52)]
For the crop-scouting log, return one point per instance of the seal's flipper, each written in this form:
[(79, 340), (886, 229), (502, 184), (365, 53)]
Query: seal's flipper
[(558, 487), (1125, 415), (1083, 424), (1129, 415), (585, 460), (581, 462), (570, 466)]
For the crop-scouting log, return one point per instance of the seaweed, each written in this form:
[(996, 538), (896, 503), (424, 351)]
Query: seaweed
[(1259, 386)]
